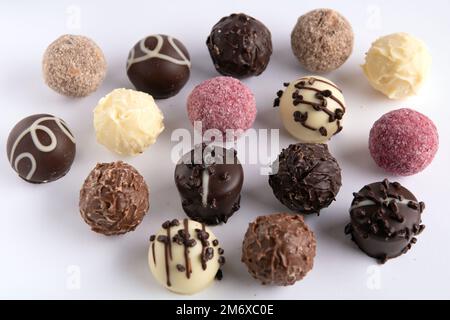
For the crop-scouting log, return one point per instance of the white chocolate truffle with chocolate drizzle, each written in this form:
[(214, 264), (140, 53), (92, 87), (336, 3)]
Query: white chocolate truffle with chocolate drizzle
[(185, 256), (311, 108)]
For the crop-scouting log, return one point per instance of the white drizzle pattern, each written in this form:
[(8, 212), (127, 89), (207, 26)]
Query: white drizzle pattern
[(155, 53), (32, 130), (368, 202)]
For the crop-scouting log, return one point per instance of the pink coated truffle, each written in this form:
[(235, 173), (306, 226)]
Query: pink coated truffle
[(222, 103), (403, 142)]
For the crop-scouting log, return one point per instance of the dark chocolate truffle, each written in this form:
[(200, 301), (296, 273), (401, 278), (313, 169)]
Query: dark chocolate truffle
[(41, 148), (279, 249), (240, 46), (209, 180), (159, 65), (114, 198), (385, 218), (322, 40), (306, 177)]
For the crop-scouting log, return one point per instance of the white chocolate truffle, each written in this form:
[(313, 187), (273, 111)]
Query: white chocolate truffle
[(311, 109), (127, 121), (397, 65), (184, 256)]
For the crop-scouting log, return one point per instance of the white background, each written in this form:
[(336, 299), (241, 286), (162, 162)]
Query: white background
[(44, 243)]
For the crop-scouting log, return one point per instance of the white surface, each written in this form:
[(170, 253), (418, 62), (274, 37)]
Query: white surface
[(44, 242)]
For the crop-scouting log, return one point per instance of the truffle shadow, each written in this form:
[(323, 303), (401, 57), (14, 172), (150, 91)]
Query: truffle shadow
[(358, 157)]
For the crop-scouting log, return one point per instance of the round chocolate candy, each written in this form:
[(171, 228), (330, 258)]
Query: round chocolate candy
[(41, 148), (114, 198), (279, 249), (209, 180), (385, 218), (240, 46), (185, 257), (306, 177), (159, 65)]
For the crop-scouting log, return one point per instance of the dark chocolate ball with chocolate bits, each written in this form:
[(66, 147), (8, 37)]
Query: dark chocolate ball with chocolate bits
[(159, 65), (240, 46), (209, 180), (306, 177), (114, 198), (385, 220), (279, 249), (41, 148)]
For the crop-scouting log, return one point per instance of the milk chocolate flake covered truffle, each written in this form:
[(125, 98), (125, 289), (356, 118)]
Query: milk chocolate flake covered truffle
[(385, 218), (322, 40), (74, 66), (306, 177), (114, 198), (209, 180), (240, 46), (159, 65), (41, 148), (279, 249), (185, 256)]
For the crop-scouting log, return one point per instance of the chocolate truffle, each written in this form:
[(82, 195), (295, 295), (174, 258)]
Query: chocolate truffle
[(159, 65), (41, 148), (279, 249), (306, 177), (311, 108), (397, 65), (127, 121), (185, 256), (222, 104), (322, 40), (403, 142), (74, 66), (209, 180), (385, 218), (114, 198), (240, 46)]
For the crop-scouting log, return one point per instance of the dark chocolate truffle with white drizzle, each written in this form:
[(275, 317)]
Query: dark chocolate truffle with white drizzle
[(311, 108), (209, 180), (306, 177), (159, 65), (385, 220), (185, 256), (41, 148)]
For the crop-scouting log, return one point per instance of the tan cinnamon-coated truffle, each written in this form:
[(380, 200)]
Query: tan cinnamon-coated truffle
[(279, 249), (114, 198), (74, 66), (322, 40)]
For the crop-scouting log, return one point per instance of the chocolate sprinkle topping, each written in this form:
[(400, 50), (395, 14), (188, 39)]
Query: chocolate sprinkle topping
[(388, 212)]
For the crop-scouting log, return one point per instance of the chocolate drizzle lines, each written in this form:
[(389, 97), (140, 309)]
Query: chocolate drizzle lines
[(187, 260), (166, 242), (320, 106)]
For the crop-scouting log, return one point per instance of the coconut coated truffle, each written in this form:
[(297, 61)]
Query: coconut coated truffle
[(403, 142), (279, 249), (322, 40), (74, 66), (222, 103)]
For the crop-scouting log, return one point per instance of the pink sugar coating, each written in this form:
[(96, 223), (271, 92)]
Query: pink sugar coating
[(403, 142), (222, 103)]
